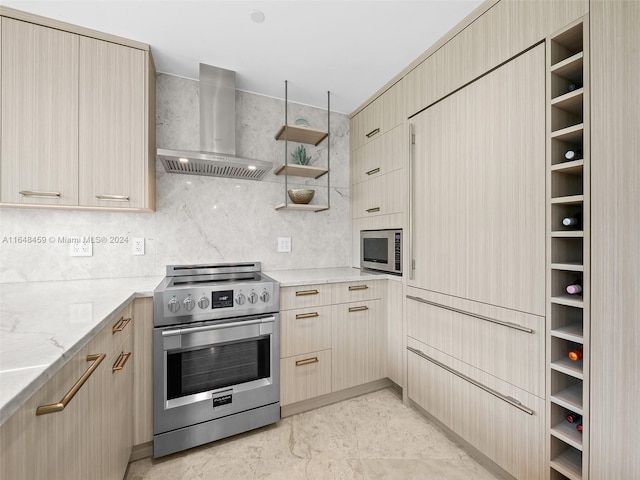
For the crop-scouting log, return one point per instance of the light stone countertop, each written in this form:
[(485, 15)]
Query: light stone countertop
[(311, 276), (44, 324)]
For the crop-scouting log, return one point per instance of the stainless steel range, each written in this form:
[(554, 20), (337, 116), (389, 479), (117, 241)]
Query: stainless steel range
[(216, 354)]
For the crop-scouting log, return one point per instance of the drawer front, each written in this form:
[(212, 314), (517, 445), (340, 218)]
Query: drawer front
[(504, 343), (305, 296), (305, 376), (382, 195), (357, 291), (305, 330), (477, 408), (381, 156)]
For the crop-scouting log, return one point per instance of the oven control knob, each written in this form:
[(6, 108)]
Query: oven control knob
[(240, 299), (264, 296), (174, 305), (189, 303), (253, 297), (203, 302)]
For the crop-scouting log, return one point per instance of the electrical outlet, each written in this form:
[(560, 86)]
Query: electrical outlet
[(80, 248), (137, 246), (284, 244)]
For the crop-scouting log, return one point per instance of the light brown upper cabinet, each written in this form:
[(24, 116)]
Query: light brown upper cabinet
[(478, 189), (78, 121), (380, 116), (39, 162)]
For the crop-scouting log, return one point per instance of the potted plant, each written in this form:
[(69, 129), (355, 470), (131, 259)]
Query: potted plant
[(300, 156)]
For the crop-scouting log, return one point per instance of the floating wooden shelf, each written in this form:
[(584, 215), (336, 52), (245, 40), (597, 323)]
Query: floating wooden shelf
[(307, 135), (300, 171), (302, 207)]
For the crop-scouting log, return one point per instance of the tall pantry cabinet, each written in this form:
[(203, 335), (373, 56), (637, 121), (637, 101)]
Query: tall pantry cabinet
[(490, 112)]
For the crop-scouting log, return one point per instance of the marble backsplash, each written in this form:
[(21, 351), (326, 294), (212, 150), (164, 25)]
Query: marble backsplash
[(198, 219)]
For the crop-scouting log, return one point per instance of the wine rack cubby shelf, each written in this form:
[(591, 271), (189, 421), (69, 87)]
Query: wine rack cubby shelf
[(568, 241)]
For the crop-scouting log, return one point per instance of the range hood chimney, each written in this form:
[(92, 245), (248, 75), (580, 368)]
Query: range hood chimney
[(217, 155)]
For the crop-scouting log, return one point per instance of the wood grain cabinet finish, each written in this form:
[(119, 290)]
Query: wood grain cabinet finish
[(143, 370), (112, 104), (380, 116), (78, 117), (358, 291), (305, 376), (478, 189), (39, 130), (505, 423), (505, 30), (384, 195), (305, 330), (507, 344), (379, 157), (359, 349), (305, 296), (93, 435)]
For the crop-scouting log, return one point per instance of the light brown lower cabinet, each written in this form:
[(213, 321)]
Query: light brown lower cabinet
[(500, 420), (91, 438)]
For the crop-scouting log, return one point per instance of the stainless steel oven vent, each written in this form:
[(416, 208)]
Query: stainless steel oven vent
[(217, 155)]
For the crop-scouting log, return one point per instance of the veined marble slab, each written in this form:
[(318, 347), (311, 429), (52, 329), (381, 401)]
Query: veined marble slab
[(310, 276), (44, 324)]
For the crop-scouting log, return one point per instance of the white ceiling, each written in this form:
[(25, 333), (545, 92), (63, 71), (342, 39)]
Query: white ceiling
[(350, 47)]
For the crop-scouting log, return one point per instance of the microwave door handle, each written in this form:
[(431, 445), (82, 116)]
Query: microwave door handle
[(208, 328)]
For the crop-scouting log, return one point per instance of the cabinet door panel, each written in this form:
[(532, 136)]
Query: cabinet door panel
[(359, 350), (479, 186), (112, 125), (506, 434), (39, 144)]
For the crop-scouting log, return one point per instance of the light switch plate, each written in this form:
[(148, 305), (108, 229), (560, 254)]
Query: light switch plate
[(284, 244)]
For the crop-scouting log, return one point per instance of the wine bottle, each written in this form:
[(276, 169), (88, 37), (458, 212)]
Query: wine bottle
[(573, 154), (575, 288), (579, 427), (574, 418), (570, 221), (576, 354), (572, 87)]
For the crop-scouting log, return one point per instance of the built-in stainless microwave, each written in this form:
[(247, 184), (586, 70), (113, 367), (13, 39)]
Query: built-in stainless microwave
[(381, 250)]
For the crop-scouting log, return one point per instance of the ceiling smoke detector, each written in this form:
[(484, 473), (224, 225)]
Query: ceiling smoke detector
[(257, 16)]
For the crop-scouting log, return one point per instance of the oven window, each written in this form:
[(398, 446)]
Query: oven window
[(217, 366), (375, 250)]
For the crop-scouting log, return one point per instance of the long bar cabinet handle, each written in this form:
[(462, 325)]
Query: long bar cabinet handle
[(373, 132), (300, 316), (358, 309), (35, 193), (117, 198), (97, 359), (120, 325), (373, 171), (304, 293), (307, 361), (358, 287), (372, 210), (515, 326), (120, 362), (412, 263), (505, 398)]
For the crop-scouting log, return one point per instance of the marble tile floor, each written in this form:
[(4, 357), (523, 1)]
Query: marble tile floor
[(369, 437)]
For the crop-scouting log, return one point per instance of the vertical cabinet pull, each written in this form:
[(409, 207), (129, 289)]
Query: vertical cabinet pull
[(307, 361), (358, 309), (58, 407), (301, 316), (120, 325), (120, 362), (412, 141), (304, 293), (353, 288)]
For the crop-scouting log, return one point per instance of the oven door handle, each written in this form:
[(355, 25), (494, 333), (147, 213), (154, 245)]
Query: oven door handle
[(183, 331)]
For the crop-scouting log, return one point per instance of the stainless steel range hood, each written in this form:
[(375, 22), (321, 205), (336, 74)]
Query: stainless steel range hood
[(217, 157)]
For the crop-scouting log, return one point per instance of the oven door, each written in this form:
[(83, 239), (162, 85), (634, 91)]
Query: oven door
[(214, 369)]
